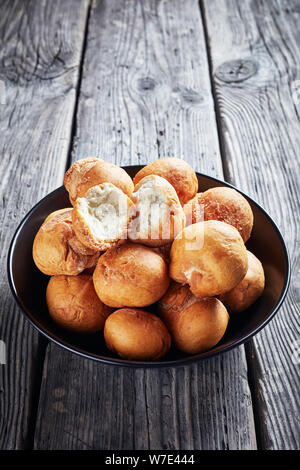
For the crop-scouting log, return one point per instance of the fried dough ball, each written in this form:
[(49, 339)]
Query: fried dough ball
[(59, 211), (101, 217), (136, 334), (196, 325), (248, 290), (159, 215), (131, 275), (74, 305), (224, 204), (175, 170), (210, 256), (193, 211), (56, 249), (89, 172)]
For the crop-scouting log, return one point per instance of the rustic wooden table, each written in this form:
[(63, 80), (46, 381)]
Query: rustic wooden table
[(216, 83)]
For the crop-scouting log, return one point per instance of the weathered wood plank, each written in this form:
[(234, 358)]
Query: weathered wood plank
[(84, 405), (146, 92), (261, 131), (40, 51)]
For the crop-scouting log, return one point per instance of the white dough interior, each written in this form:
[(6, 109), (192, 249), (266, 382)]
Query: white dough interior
[(105, 210), (152, 206)]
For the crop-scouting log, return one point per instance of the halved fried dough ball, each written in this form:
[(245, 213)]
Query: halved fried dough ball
[(178, 172), (224, 204), (248, 290), (196, 325), (136, 334), (89, 172), (56, 249), (209, 256), (101, 216), (131, 275), (74, 305), (159, 216)]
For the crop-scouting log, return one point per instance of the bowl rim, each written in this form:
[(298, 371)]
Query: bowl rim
[(147, 364)]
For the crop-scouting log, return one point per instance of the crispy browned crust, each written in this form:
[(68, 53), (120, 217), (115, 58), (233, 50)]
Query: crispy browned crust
[(193, 211), (224, 204), (177, 298), (164, 251), (56, 250), (213, 265), (196, 325), (136, 334), (59, 211), (131, 275), (175, 170), (74, 305), (248, 290), (157, 236), (91, 171)]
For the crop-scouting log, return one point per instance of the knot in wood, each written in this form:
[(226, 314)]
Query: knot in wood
[(236, 70), (146, 84)]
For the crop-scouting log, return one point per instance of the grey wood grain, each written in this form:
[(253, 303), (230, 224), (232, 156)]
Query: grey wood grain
[(40, 50), (85, 405), (145, 92), (254, 47)]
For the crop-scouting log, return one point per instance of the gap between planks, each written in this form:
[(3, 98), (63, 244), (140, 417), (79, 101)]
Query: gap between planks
[(23, 388), (44, 342), (249, 346), (78, 87)]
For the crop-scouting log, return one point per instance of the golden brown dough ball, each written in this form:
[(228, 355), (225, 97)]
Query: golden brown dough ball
[(159, 215), (56, 249), (196, 325), (136, 334), (131, 275), (59, 211), (89, 172), (224, 204), (249, 289), (74, 305), (101, 217), (210, 256), (178, 172), (193, 211)]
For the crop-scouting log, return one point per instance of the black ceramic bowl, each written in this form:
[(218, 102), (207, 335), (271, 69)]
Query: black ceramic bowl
[(28, 284)]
